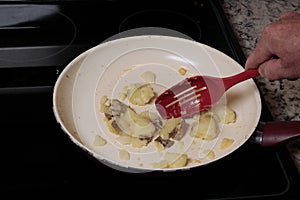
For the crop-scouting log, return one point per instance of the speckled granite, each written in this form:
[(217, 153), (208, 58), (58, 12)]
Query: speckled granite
[(248, 18)]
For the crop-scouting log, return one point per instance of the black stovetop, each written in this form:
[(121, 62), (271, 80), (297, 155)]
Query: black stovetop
[(39, 38)]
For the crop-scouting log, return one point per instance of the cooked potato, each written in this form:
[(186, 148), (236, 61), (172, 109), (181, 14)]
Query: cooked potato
[(225, 143), (134, 125), (103, 105), (182, 71), (158, 146), (124, 139), (99, 141), (140, 94), (172, 160), (111, 128), (225, 114), (138, 143), (211, 155), (149, 77), (205, 128), (176, 160), (168, 127), (160, 165)]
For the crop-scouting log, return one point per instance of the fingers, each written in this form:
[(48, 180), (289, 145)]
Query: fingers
[(276, 54), (267, 69), (259, 55), (274, 70)]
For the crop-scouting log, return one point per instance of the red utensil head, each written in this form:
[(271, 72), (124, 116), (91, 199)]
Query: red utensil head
[(188, 97)]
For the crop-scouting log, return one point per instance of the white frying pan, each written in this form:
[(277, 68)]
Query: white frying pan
[(109, 67)]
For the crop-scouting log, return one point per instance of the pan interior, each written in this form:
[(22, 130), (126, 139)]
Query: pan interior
[(111, 66)]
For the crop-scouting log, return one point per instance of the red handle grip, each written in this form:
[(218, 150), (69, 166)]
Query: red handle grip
[(279, 132), (237, 78)]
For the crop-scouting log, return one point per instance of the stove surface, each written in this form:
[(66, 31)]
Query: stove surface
[(38, 158)]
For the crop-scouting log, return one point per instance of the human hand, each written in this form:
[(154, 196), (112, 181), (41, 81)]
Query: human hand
[(277, 53)]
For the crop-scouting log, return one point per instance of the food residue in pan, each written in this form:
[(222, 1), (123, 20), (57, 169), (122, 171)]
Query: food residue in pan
[(182, 71)]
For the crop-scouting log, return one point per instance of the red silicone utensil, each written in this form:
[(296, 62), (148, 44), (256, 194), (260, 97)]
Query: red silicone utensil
[(197, 93)]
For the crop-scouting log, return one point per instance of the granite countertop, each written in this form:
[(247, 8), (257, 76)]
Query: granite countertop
[(248, 19)]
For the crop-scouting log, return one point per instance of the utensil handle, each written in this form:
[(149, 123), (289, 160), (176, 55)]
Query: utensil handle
[(232, 80), (279, 132)]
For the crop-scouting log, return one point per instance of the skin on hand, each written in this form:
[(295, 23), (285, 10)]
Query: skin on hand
[(277, 53)]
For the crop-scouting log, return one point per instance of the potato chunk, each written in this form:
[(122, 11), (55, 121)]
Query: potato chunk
[(225, 143), (140, 94), (172, 160), (99, 141), (176, 160), (149, 77), (225, 114), (169, 126), (205, 128), (135, 125), (182, 71)]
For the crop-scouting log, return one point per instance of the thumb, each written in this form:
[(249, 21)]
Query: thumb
[(259, 55)]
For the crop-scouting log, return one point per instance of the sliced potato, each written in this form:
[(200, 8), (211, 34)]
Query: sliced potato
[(110, 126), (211, 155), (140, 94), (225, 114), (124, 139), (176, 160), (168, 127), (99, 141), (103, 100), (148, 76), (206, 128), (158, 146), (225, 143), (135, 125), (138, 143), (172, 160), (160, 165)]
